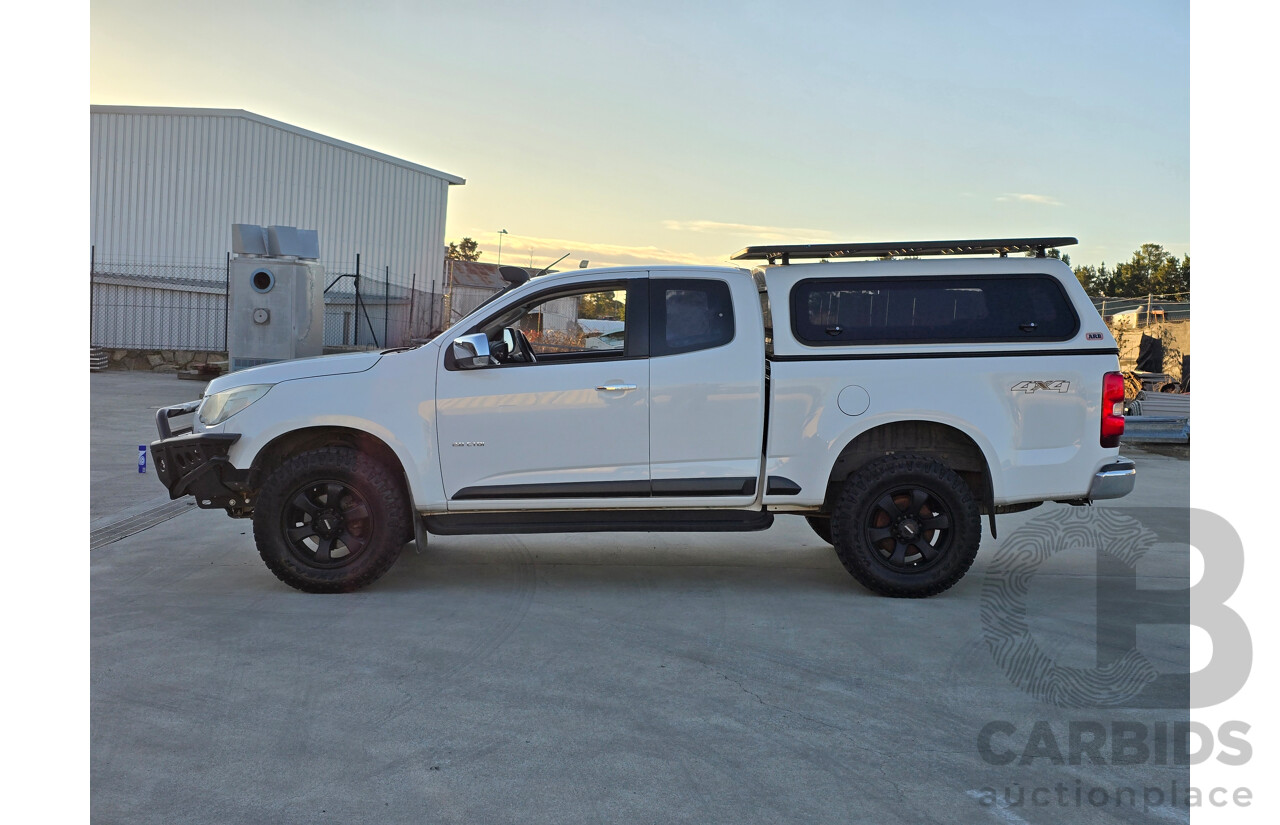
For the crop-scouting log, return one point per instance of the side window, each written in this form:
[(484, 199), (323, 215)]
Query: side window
[(592, 323), (911, 310), (598, 321), (689, 314)]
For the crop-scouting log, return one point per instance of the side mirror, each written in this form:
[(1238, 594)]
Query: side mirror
[(513, 275), (471, 351)]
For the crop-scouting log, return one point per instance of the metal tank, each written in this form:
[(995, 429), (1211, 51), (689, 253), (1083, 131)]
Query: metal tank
[(276, 292)]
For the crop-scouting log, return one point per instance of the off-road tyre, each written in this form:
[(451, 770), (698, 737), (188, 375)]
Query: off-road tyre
[(331, 520), (821, 526), (906, 526)]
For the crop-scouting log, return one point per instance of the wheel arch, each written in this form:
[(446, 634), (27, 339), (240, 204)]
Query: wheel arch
[(937, 440), (291, 443)]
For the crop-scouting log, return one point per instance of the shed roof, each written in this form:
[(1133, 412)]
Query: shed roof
[(481, 276), (182, 111)]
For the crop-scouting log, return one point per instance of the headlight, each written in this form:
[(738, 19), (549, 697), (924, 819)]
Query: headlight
[(220, 406)]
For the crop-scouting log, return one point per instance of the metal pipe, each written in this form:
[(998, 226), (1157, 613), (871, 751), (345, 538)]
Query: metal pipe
[(386, 307)]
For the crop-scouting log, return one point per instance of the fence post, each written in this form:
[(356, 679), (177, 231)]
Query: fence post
[(226, 313), (431, 313), (446, 304), (386, 307), (92, 253), (355, 339), (413, 286)]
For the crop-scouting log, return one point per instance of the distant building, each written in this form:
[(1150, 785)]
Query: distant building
[(166, 184), (471, 283)]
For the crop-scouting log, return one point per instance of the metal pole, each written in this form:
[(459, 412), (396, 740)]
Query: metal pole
[(226, 311), (1148, 309), (386, 307), (413, 283), (363, 307), (431, 312), (355, 339), (92, 253)]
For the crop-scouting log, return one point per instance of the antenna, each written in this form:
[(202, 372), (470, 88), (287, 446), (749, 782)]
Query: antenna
[(553, 263)]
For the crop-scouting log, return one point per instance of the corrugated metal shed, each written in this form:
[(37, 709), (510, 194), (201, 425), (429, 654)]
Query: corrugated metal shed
[(471, 283), (167, 183), (480, 276)]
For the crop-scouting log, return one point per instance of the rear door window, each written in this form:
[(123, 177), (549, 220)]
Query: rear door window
[(689, 314), (931, 309)]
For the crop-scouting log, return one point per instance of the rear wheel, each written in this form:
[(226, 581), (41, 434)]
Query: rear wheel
[(330, 520), (906, 526)]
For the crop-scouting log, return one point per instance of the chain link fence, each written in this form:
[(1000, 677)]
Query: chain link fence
[(363, 309), (149, 306), (1143, 312), (141, 305)]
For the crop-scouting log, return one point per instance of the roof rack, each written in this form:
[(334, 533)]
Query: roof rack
[(1001, 247)]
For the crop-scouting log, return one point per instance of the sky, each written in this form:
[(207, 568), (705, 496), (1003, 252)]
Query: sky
[(663, 132)]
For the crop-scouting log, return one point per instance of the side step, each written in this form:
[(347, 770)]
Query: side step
[(599, 521)]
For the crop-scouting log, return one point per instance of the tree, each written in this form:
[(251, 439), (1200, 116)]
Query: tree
[(1055, 253), (1152, 270), (1092, 277), (464, 250), (602, 306)]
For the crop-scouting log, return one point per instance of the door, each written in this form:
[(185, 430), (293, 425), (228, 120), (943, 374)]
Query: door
[(706, 391), (560, 418)]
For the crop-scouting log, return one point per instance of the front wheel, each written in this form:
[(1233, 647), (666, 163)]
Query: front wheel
[(906, 526), (331, 520)]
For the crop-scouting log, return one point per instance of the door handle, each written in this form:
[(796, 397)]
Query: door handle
[(616, 387)]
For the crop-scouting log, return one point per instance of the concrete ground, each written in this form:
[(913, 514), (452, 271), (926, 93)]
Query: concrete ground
[(637, 678), (122, 415)]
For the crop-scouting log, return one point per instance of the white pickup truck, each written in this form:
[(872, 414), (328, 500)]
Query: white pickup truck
[(890, 401)]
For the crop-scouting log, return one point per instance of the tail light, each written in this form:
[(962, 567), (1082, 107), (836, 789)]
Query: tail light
[(1112, 410)]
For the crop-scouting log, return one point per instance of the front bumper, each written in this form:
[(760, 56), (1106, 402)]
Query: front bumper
[(1115, 480), (196, 464)]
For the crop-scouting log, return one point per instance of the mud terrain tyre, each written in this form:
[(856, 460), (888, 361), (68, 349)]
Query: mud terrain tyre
[(330, 520), (906, 526)]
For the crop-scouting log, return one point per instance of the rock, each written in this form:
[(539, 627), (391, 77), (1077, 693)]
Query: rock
[(199, 357), (182, 357), (165, 368), (119, 354), (155, 359)]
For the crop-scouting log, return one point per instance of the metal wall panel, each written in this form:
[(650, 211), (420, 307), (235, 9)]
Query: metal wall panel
[(166, 185)]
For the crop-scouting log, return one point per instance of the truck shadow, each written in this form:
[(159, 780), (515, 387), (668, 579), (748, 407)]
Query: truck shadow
[(773, 561)]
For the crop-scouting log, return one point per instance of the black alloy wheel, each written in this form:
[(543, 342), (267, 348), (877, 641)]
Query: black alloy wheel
[(327, 524), (910, 528)]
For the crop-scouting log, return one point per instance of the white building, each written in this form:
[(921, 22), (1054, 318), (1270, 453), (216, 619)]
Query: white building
[(168, 183)]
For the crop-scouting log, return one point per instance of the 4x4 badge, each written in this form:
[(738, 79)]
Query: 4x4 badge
[(1056, 385)]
